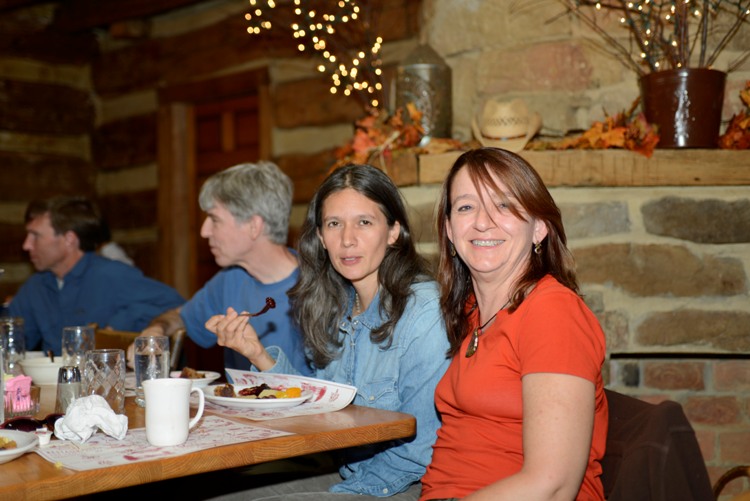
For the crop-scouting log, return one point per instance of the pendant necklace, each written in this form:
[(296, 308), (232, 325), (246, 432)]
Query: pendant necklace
[(474, 343)]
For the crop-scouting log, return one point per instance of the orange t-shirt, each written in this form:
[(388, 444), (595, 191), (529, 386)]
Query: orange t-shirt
[(480, 401)]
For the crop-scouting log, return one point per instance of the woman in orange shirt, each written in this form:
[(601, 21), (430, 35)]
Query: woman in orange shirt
[(523, 410)]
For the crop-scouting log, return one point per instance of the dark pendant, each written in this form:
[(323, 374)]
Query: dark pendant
[(473, 344)]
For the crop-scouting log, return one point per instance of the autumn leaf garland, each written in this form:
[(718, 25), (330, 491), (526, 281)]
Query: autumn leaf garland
[(627, 130)]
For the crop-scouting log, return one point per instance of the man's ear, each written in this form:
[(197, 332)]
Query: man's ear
[(256, 226), (71, 240)]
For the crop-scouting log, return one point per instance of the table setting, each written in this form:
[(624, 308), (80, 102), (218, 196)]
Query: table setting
[(220, 440), (90, 434), (84, 432)]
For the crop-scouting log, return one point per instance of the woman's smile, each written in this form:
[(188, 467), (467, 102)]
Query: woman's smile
[(487, 243)]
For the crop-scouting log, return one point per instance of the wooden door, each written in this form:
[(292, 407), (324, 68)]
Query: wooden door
[(204, 127), (227, 133)]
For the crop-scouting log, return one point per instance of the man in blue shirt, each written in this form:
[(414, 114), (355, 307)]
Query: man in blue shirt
[(74, 285), (247, 221)]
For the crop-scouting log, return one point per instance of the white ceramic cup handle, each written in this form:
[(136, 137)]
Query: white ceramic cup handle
[(199, 413)]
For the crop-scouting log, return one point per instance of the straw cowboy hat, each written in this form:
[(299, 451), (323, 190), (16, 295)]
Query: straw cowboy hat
[(506, 124)]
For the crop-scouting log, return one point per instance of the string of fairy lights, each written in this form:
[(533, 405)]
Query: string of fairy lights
[(669, 34), (322, 27)]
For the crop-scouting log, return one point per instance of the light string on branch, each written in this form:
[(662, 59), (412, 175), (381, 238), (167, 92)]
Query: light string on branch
[(667, 34), (326, 27)]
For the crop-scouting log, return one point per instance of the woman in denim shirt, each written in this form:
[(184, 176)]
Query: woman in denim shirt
[(371, 319)]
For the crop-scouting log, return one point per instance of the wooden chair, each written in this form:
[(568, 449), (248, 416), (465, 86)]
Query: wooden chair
[(736, 472), (652, 453), (107, 338)]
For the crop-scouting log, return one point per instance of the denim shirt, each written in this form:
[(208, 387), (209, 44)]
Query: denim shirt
[(399, 378)]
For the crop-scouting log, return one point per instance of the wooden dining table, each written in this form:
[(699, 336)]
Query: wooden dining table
[(34, 478)]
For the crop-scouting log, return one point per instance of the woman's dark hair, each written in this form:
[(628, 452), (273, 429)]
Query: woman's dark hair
[(524, 184), (321, 296), (70, 213)]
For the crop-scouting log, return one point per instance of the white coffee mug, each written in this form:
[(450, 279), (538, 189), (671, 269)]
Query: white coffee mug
[(168, 410)]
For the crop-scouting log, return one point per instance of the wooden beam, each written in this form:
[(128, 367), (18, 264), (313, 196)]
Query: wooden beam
[(176, 204), (27, 34), (79, 15), (26, 176), (186, 57), (129, 210), (10, 244), (15, 4), (45, 108), (307, 172), (619, 167), (127, 142), (228, 86)]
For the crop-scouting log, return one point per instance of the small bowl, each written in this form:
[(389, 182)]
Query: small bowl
[(199, 383), (42, 370)]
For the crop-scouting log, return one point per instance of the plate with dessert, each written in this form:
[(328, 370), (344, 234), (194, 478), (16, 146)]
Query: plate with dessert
[(14, 444), (199, 378), (261, 396)]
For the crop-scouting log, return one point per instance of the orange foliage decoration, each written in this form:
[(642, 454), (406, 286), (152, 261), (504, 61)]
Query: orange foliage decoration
[(626, 130), (737, 135), (377, 135)]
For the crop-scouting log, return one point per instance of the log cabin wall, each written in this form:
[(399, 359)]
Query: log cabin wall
[(79, 96), (663, 245)]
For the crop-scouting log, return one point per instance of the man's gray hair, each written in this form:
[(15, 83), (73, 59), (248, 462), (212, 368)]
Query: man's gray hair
[(251, 189)]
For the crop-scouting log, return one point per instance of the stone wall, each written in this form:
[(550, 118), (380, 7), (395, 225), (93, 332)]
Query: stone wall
[(531, 50), (666, 271)]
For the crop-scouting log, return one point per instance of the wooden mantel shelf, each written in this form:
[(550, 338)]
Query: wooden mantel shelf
[(587, 168)]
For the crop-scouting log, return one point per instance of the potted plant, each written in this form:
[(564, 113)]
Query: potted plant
[(672, 46)]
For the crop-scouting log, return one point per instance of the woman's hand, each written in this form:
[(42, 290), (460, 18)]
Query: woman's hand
[(235, 332)]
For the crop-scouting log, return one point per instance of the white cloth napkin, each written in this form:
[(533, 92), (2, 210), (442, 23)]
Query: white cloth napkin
[(87, 414)]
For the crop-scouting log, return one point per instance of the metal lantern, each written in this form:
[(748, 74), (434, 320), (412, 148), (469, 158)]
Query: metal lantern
[(423, 78)]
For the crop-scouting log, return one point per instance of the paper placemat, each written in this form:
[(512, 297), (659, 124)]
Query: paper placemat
[(101, 450)]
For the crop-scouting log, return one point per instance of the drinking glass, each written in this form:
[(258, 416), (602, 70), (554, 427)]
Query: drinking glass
[(151, 362), (13, 343), (104, 374), (76, 341)]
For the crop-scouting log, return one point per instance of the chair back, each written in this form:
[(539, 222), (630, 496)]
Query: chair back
[(652, 453), (731, 474), (108, 338)]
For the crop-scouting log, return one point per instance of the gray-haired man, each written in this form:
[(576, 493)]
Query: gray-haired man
[(247, 220)]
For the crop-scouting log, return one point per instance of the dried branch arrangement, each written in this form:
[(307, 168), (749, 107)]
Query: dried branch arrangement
[(667, 34)]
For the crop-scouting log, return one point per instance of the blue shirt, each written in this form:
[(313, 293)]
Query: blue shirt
[(235, 287), (399, 378), (97, 289)]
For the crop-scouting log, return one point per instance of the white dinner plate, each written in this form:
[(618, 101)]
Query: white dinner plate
[(24, 441), (200, 383), (253, 403)]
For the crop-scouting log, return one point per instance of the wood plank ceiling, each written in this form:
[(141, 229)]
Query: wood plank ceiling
[(80, 15)]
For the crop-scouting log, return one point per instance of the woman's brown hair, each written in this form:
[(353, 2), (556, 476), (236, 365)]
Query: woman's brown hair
[(526, 186)]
